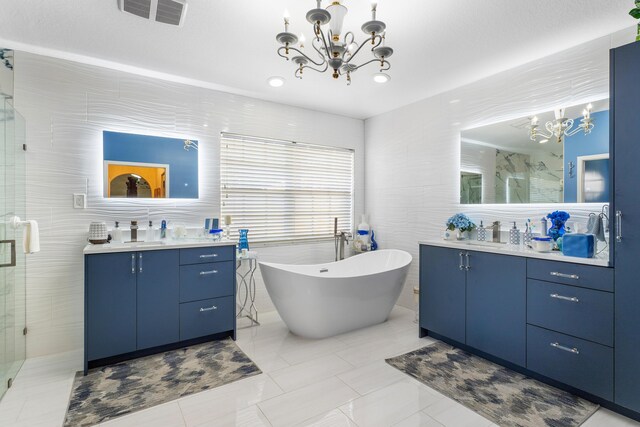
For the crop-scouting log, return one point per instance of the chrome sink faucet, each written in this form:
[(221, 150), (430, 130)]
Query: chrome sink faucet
[(495, 229)]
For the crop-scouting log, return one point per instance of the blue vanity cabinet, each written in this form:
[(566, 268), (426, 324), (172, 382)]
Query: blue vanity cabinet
[(138, 303), (475, 298), (110, 304), (158, 291), (496, 301), (443, 291), (625, 152)]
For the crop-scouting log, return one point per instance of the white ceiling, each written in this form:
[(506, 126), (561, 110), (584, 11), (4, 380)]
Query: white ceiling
[(230, 44)]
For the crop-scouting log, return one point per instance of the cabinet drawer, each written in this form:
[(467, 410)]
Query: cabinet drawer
[(207, 317), (204, 281), (586, 276), (580, 312), (578, 363), (206, 254)]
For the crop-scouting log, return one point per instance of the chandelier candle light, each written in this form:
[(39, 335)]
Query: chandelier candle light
[(561, 126), (335, 50)]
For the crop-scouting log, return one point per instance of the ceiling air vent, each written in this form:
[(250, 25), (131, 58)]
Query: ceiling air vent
[(165, 11)]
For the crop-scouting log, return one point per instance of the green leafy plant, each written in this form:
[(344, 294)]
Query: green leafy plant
[(636, 14)]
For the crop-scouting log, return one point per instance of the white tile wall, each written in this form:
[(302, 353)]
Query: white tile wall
[(413, 153), (67, 106)]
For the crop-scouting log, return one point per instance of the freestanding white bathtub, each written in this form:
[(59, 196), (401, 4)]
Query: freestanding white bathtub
[(322, 300)]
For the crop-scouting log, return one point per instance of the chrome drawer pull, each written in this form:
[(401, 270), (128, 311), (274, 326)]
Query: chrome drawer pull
[(563, 348), (461, 261), (618, 226), (133, 263), (566, 276), (204, 273), (213, 307), (562, 297), (209, 256), (468, 266), (140, 266)]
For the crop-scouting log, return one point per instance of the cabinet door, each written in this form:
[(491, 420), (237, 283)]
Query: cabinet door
[(496, 305), (111, 304), (442, 292), (625, 104), (158, 311)]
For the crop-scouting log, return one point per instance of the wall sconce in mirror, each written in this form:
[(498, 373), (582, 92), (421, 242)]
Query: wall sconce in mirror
[(149, 167), (189, 144)]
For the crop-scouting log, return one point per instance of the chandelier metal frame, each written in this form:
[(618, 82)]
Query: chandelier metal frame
[(334, 50), (561, 126)]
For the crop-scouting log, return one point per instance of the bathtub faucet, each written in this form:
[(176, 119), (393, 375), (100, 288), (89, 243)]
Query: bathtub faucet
[(341, 238)]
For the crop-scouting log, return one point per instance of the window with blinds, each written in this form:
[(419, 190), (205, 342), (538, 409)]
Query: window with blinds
[(284, 191)]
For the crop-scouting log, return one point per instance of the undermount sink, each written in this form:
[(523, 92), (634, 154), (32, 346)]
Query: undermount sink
[(143, 243), (485, 244)]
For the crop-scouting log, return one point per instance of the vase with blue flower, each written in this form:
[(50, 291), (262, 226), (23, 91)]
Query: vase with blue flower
[(558, 221), (461, 224)]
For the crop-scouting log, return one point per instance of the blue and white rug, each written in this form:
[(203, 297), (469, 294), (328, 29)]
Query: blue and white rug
[(497, 393), (120, 389)]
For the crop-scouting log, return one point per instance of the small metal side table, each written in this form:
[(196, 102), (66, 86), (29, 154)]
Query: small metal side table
[(246, 287)]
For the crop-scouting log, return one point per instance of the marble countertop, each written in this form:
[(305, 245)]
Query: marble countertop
[(601, 260), (153, 246)]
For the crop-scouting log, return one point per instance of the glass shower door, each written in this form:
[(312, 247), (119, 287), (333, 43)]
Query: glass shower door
[(12, 258)]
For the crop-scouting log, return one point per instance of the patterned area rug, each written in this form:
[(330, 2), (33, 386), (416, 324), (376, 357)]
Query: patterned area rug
[(499, 394), (131, 386)]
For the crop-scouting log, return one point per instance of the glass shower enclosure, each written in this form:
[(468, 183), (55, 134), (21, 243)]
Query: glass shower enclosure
[(12, 258)]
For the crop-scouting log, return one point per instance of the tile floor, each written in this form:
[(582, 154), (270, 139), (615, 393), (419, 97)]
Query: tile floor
[(340, 381)]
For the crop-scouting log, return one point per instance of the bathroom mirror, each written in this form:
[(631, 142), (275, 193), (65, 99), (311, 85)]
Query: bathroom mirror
[(529, 160), (149, 167)]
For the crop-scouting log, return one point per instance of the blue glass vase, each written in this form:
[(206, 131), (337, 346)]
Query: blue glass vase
[(243, 240), (556, 231)]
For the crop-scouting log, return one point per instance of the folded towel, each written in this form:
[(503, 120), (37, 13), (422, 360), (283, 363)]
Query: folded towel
[(31, 237)]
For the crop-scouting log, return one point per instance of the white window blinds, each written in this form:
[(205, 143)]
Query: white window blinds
[(284, 191)]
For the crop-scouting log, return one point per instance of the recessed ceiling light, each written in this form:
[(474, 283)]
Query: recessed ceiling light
[(275, 81), (381, 77), (454, 101), (205, 125)]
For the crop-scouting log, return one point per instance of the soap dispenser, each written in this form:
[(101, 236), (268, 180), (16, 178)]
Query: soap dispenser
[(117, 233), (151, 233), (514, 235), (482, 232)]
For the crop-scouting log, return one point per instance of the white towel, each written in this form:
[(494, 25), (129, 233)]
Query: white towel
[(31, 237)]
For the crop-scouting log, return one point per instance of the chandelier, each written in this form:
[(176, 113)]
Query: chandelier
[(561, 126), (336, 49)]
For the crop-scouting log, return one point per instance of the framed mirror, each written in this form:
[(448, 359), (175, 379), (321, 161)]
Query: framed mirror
[(149, 167), (559, 156)]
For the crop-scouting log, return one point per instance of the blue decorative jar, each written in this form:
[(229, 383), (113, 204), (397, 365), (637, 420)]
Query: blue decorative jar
[(556, 232), (243, 240)]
